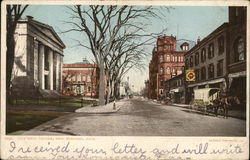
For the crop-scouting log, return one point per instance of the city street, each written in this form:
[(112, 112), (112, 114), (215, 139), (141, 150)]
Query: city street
[(140, 117)]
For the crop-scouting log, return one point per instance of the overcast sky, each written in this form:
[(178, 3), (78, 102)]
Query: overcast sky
[(183, 22)]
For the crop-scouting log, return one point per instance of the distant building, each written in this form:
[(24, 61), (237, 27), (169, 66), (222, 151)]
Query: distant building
[(176, 89), (167, 62), (146, 89), (38, 60), (80, 79)]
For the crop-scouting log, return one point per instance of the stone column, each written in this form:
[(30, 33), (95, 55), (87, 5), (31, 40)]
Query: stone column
[(36, 62), (41, 66), (57, 72), (50, 76)]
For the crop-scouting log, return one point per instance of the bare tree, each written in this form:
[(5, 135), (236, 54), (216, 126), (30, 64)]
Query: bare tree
[(14, 13), (103, 27)]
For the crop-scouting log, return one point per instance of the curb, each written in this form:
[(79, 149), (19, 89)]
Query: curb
[(98, 112), (232, 116)]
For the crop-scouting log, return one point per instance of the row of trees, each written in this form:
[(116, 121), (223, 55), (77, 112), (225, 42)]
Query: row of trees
[(117, 39), (116, 36)]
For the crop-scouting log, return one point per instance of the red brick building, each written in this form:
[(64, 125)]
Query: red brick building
[(80, 79), (167, 62)]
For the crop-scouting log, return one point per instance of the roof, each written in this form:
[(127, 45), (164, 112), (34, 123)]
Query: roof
[(182, 42), (84, 61), (45, 29), (221, 27), (79, 65)]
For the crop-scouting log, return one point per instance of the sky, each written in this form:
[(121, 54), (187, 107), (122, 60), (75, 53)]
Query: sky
[(183, 22)]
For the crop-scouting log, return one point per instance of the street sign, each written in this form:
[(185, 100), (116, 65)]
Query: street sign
[(190, 75)]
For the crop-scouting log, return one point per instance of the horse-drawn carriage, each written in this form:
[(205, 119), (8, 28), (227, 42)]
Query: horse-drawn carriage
[(210, 99), (203, 99)]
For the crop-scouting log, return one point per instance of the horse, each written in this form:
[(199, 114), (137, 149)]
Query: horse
[(225, 103)]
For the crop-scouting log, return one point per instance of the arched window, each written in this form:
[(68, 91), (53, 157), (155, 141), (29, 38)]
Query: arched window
[(203, 55), (168, 70), (168, 58), (221, 44), (211, 50), (196, 58), (161, 70), (239, 51), (161, 58), (211, 71), (191, 61), (203, 73)]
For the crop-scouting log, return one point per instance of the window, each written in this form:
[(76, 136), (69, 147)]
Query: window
[(220, 68), (211, 71), (211, 50), (83, 78), (88, 78), (73, 78), (181, 59), (239, 50), (176, 58), (168, 58), (161, 82), (203, 55), (168, 70), (221, 44), (161, 58), (89, 89), (203, 73), (172, 58), (161, 70), (186, 63), (174, 71), (196, 58), (160, 48), (79, 77), (179, 71), (191, 61), (197, 74)]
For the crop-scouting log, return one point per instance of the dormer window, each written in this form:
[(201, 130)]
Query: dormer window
[(185, 46)]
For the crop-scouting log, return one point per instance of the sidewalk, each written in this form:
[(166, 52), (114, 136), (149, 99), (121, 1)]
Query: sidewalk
[(108, 108), (231, 113)]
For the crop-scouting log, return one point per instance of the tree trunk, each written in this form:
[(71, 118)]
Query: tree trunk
[(10, 56), (108, 91), (102, 83)]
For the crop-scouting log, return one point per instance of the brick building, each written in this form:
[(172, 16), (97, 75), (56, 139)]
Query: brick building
[(167, 62), (208, 60), (237, 56), (80, 79), (38, 60), (176, 89), (219, 60)]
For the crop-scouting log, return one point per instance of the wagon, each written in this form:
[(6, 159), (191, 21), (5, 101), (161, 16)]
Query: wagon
[(203, 98)]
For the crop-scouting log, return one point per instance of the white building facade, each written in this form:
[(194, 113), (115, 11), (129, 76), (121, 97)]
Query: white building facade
[(38, 59)]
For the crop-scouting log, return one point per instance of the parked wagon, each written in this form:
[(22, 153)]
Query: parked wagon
[(203, 98)]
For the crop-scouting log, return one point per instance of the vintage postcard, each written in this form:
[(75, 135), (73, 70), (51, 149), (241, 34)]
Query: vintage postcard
[(137, 80)]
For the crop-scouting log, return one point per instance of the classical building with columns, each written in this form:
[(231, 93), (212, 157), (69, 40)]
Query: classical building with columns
[(38, 60)]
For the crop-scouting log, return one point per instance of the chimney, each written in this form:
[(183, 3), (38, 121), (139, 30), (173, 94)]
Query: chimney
[(29, 17), (198, 40)]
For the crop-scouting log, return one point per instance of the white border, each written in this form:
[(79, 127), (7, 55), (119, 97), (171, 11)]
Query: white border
[(105, 140)]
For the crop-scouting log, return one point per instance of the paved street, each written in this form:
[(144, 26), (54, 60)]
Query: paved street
[(140, 117)]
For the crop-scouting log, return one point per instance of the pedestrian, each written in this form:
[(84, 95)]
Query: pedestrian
[(226, 107)]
